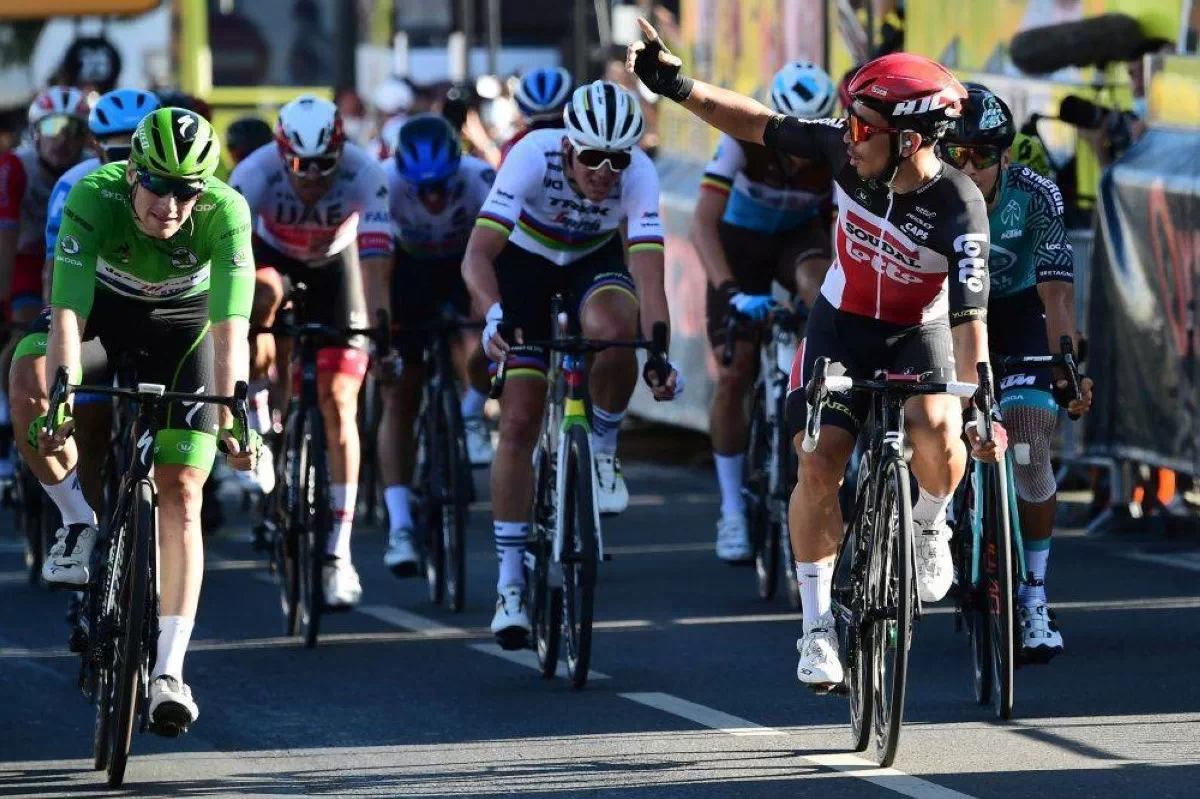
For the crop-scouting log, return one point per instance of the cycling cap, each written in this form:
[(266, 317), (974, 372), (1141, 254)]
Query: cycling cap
[(802, 89), (120, 111), (428, 150), (604, 116), (176, 143), (543, 92)]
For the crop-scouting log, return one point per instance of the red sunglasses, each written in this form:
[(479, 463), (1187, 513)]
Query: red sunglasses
[(860, 131)]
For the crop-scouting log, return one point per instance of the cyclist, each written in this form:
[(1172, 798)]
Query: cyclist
[(550, 224), (541, 95), (907, 291), (436, 193), (762, 216), (245, 135), (1030, 307), (320, 204), (153, 260)]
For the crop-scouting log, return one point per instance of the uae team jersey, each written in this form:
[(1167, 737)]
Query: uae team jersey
[(905, 258), (355, 207), (1029, 239), (533, 202), (763, 194), (424, 235), (24, 197)]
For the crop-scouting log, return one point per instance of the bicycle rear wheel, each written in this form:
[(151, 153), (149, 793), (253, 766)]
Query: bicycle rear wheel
[(544, 597), (756, 495), (972, 600), (429, 474), (892, 578), (854, 631), (286, 545), (579, 554), (457, 475), (314, 518), (102, 601), (132, 652), (999, 558)]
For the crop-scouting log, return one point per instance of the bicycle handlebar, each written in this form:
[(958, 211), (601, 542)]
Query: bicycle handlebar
[(380, 334), (1066, 359), (738, 326)]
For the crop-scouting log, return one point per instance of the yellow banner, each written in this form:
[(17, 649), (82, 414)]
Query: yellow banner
[(1174, 91)]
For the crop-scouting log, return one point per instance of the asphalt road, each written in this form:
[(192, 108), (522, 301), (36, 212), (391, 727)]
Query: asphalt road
[(697, 695)]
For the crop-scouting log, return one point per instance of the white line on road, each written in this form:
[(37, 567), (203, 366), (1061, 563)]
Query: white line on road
[(525, 657), (1189, 560), (850, 765)]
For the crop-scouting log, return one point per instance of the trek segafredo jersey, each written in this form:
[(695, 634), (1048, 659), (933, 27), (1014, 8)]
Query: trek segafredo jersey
[(533, 202)]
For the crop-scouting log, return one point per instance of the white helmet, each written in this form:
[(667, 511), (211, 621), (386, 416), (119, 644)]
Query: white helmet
[(393, 96), (603, 116), (310, 127), (802, 89), (59, 101)]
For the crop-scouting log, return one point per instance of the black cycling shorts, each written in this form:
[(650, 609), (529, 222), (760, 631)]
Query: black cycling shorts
[(421, 288), (758, 259), (528, 282), (335, 291), (859, 346), (1017, 326)]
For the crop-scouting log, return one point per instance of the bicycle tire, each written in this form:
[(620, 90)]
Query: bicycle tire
[(368, 475), (457, 470), (756, 497), (972, 601), (579, 553), (856, 640), (30, 502), (545, 602), (102, 601), (428, 477), (892, 575), (315, 521), (1001, 595), (287, 534), (135, 600)]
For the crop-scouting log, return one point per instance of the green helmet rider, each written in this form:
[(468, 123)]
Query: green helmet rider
[(176, 143)]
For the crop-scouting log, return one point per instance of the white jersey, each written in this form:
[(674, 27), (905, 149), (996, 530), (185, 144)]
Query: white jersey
[(356, 207), (424, 235), (533, 202)]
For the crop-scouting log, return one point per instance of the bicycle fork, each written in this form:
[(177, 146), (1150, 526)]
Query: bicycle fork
[(575, 413)]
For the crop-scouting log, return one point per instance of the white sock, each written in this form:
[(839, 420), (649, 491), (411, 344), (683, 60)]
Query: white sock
[(1035, 569), (816, 586), (174, 633), (929, 510), (343, 500), (260, 411), (398, 500), (729, 478), (472, 403), (605, 426), (68, 496), (510, 549)]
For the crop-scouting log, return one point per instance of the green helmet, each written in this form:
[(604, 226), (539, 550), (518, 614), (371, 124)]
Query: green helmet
[(176, 143)]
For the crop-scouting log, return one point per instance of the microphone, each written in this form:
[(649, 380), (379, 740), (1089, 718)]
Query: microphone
[(1104, 39), (1081, 113)]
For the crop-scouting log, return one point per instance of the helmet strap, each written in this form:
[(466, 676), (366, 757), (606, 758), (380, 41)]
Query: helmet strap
[(894, 160)]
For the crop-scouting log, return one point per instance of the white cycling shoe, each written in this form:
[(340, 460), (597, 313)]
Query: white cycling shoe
[(935, 566), (733, 538), (611, 493), (401, 556), (479, 440), (172, 709), (70, 559), (340, 582), (1041, 640), (511, 624), (819, 664)]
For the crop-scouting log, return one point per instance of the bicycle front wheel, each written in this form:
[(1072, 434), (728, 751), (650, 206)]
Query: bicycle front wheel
[(999, 560), (854, 630), (285, 546), (315, 520), (892, 583), (457, 473), (131, 651), (544, 596), (756, 489), (579, 554)]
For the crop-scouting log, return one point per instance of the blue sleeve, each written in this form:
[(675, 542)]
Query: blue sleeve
[(54, 211)]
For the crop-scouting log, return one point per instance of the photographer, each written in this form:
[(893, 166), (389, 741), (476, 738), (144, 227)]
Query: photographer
[(1110, 132)]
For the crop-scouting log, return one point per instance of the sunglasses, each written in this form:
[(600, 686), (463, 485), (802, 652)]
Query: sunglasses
[(957, 155), (160, 186), (617, 160), (322, 165), (860, 131), (60, 126), (431, 189)]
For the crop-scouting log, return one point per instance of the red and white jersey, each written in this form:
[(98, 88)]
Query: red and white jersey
[(901, 258), (24, 200), (354, 208)]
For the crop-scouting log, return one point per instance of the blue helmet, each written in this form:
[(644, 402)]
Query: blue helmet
[(120, 111), (428, 150), (543, 92)]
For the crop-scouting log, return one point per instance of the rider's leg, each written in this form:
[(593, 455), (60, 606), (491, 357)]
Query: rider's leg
[(471, 365), (268, 296), (93, 426), (610, 312), (181, 561), (340, 372), (396, 455)]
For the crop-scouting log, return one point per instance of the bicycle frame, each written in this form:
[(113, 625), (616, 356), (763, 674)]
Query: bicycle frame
[(980, 476), (570, 369)]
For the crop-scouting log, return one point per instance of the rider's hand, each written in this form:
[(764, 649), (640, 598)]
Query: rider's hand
[(389, 367), (229, 442), (987, 451), (672, 388), (495, 347), (1075, 407), (752, 306), (656, 66), (51, 445)]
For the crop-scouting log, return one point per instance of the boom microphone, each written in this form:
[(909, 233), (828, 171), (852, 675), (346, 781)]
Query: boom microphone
[(1081, 113), (1105, 39)]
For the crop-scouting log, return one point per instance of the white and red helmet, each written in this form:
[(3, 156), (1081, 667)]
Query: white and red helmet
[(913, 92), (59, 101), (310, 127)]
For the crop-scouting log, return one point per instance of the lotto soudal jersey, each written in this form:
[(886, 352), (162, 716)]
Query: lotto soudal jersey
[(355, 207), (1029, 239), (533, 202), (100, 246), (423, 234), (766, 193), (902, 258)]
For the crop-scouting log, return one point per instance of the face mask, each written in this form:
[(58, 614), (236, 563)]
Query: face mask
[(1141, 107), (354, 127)]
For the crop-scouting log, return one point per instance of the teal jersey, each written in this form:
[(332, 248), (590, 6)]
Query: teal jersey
[(1029, 239)]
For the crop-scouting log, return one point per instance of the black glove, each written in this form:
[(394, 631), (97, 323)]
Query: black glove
[(660, 70)]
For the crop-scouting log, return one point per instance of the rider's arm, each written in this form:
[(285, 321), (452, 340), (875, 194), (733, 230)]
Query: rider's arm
[(79, 240), (710, 208), (230, 295), (1054, 261), (639, 203), (968, 281), (54, 212), (12, 189), (375, 240)]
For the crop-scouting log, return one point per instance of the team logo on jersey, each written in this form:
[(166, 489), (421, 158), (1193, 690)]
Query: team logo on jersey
[(241, 259), (1011, 215), (69, 245), (183, 258), (1000, 259)]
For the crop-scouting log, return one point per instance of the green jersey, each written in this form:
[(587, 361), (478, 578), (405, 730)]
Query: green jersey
[(100, 245), (1029, 239)]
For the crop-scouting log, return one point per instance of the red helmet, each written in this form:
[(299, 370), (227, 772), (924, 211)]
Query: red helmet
[(911, 91)]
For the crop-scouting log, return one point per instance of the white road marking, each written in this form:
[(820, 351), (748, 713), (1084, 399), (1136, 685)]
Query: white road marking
[(526, 658), (411, 621), (1189, 560), (851, 765)]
